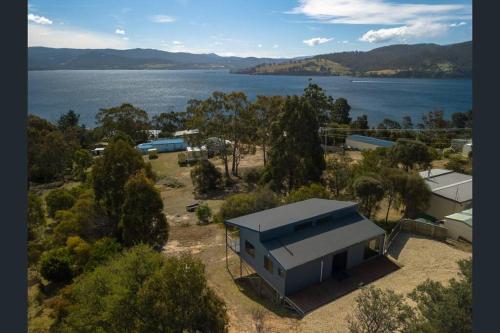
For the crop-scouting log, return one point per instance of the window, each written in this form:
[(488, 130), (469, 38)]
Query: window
[(323, 221), (372, 248), (281, 272), (303, 226), (268, 264), (249, 248)]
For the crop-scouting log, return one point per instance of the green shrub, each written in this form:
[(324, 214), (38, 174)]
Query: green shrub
[(59, 199), (205, 176), (252, 175), (101, 251), (55, 265), (447, 152), (247, 203), (203, 213), (308, 192)]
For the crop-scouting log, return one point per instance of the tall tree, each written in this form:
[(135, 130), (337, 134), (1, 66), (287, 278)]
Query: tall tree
[(321, 104), (142, 218), (415, 195), (169, 122), (296, 157), (411, 154), (407, 122), (394, 183), (211, 118), (338, 174), (265, 111), (361, 123), (340, 111), (370, 192), (109, 175), (125, 118)]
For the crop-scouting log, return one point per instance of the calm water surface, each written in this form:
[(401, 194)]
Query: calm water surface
[(51, 93)]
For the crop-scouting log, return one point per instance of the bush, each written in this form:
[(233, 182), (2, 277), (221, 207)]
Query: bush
[(55, 265), (205, 176), (101, 251), (447, 152), (141, 291), (247, 203), (203, 213), (308, 192), (59, 199), (252, 175)]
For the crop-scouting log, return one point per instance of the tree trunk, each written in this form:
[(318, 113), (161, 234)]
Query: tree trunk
[(389, 203), (264, 153)]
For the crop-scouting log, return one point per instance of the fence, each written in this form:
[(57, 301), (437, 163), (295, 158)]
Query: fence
[(424, 228)]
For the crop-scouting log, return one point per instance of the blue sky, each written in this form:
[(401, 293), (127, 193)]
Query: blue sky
[(276, 28)]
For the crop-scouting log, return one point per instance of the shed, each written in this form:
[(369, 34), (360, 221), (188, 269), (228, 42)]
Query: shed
[(361, 142), (294, 246), (451, 192), (459, 225), (163, 145)]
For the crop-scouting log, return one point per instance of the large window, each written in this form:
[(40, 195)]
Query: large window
[(268, 264), (372, 248), (249, 248)]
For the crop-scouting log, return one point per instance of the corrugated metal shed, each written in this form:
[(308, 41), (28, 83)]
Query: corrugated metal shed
[(280, 216), (312, 243), (370, 140), (449, 184)]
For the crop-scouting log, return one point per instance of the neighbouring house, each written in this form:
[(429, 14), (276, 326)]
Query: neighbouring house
[(98, 151), (361, 142), (459, 225), (451, 192), (163, 145), (185, 133), (294, 246), (153, 134)]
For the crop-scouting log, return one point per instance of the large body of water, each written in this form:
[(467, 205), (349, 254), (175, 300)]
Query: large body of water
[(51, 93)]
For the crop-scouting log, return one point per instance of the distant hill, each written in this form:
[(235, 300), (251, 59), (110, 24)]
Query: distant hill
[(44, 58), (419, 60)]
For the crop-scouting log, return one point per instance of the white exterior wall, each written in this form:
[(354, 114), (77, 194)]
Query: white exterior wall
[(458, 229), (440, 207)]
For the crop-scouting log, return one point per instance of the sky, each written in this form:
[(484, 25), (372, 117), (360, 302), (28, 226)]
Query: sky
[(261, 28)]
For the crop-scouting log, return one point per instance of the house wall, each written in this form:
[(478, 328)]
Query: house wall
[(440, 207), (257, 263), (458, 229), (309, 273)]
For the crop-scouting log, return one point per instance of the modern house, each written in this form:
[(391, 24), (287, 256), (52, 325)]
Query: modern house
[(451, 192), (361, 142), (459, 225), (163, 145), (294, 246)]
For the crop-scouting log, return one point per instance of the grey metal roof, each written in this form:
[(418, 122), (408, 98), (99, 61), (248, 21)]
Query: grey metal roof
[(449, 184), (312, 243), (288, 214), (371, 140)]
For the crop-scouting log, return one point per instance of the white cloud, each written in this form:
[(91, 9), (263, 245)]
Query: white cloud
[(316, 41), (275, 46), (259, 46), (405, 33), (162, 19), (459, 24), (120, 32), (39, 19), (125, 38), (176, 42), (39, 35), (376, 11), (343, 41)]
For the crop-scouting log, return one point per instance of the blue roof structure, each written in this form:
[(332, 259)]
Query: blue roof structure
[(163, 145), (371, 140)]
